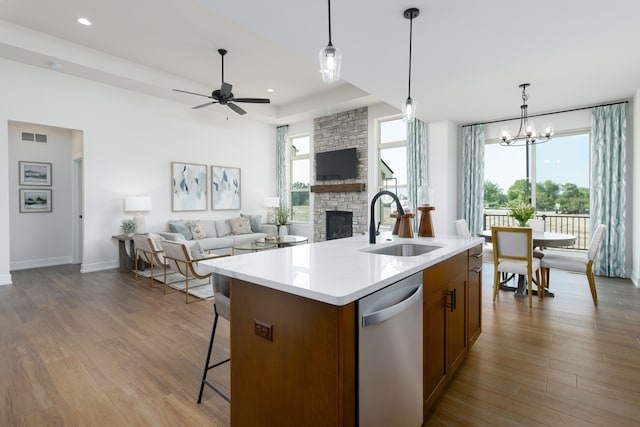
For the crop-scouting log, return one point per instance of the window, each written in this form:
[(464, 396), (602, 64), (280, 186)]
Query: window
[(559, 175), (300, 178), (392, 152)]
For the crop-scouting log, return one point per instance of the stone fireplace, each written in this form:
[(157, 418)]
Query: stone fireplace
[(339, 224), (339, 131)]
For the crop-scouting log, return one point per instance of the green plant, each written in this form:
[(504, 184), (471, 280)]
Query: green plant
[(128, 225), (522, 213), (282, 216)]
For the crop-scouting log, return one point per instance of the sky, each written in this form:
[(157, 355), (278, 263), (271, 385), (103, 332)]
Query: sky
[(563, 159)]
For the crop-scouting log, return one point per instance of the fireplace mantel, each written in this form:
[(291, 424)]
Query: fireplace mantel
[(338, 188)]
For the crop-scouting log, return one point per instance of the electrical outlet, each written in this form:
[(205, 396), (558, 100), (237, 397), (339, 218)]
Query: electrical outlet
[(263, 329)]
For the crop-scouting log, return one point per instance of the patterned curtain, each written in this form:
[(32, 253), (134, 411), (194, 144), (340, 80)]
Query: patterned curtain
[(282, 165), (473, 176), (416, 163), (608, 186)]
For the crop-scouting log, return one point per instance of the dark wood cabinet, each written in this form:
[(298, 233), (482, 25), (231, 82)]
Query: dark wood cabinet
[(305, 374), (444, 324), (474, 300)]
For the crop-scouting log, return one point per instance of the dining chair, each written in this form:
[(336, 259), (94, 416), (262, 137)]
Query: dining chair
[(221, 307), (537, 226), (580, 265), (462, 229), (150, 251), (180, 260), (513, 253)]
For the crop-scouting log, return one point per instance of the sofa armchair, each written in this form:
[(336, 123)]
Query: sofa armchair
[(219, 236)]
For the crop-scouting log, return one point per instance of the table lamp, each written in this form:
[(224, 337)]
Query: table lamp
[(138, 204), (273, 203)]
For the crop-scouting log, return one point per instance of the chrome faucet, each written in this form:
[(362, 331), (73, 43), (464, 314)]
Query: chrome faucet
[(372, 226)]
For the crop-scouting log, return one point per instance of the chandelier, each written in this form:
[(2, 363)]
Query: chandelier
[(527, 134)]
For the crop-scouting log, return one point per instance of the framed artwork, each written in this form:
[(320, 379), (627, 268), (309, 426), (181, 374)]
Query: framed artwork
[(35, 173), (35, 200), (225, 188), (188, 187)]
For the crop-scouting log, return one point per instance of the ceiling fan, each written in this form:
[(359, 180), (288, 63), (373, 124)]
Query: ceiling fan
[(224, 96)]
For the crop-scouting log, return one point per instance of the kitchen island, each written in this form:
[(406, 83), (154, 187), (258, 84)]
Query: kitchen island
[(300, 366)]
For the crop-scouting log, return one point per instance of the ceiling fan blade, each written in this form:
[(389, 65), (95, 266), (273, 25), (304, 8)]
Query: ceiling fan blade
[(191, 93), (225, 90), (253, 100), (235, 108), (204, 105)]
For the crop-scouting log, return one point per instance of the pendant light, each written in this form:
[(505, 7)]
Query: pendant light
[(527, 134), (409, 106), (330, 58)]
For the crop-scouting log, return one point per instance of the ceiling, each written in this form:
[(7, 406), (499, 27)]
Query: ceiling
[(468, 56)]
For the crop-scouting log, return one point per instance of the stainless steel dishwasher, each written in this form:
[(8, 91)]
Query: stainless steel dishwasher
[(390, 355)]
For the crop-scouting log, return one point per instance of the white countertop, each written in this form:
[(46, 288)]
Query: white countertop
[(337, 272)]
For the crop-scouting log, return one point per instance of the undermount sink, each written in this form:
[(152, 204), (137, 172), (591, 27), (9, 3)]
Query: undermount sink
[(404, 249)]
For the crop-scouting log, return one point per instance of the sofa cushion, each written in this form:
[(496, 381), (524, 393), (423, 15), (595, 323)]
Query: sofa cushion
[(180, 226), (240, 225), (197, 230), (222, 228), (209, 227), (255, 221), (214, 243)]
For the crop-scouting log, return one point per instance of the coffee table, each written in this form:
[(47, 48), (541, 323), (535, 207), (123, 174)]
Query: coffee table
[(282, 241), (253, 246)]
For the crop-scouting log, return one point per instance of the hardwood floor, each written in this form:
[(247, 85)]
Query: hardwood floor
[(101, 349)]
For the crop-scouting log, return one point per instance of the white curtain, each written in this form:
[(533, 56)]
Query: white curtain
[(282, 165), (473, 177), (416, 163), (608, 186)]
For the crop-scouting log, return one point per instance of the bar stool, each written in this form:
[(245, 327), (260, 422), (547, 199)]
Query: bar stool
[(221, 307)]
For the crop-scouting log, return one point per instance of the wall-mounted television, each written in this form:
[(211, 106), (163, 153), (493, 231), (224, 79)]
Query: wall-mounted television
[(338, 164)]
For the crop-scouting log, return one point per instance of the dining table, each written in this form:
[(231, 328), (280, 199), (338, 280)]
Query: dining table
[(541, 239)]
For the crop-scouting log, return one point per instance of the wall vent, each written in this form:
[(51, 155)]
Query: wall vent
[(34, 137)]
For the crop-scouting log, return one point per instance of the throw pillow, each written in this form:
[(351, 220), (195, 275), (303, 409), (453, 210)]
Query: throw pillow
[(240, 225), (197, 230), (255, 221), (181, 227)]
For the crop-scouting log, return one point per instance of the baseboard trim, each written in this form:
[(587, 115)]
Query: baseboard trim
[(37, 263), (5, 279), (98, 266)]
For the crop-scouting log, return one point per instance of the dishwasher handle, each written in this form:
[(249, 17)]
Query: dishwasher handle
[(394, 310)]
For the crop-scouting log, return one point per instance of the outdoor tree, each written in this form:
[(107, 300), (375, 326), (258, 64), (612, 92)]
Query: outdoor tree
[(547, 194), (493, 197), (517, 193)]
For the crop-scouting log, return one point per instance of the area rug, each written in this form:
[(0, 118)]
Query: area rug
[(200, 288)]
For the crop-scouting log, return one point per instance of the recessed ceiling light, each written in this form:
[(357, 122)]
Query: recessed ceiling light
[(55, 65), (270, 90), (84, 21)]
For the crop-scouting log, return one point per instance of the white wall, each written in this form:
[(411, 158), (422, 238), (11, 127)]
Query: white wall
[(635, 201), (443, 175), (129, 141), (39, 239)]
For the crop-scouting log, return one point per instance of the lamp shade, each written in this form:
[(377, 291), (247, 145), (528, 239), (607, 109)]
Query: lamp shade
[(271, 202), (137, 204)]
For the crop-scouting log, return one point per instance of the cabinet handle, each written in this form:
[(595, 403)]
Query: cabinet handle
[(452, 294), (455, 299), (477, 255), (477, 270)]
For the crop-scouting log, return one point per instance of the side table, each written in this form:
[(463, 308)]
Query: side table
[(127, 260)]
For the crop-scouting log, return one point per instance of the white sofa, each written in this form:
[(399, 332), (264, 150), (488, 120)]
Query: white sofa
[(219, 237)]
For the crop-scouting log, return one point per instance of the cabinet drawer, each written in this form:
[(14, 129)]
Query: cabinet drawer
[(475, 258)]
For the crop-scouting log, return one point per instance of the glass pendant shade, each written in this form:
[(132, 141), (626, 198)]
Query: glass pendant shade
[(425, 195), (409, 110), (330, 61)]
